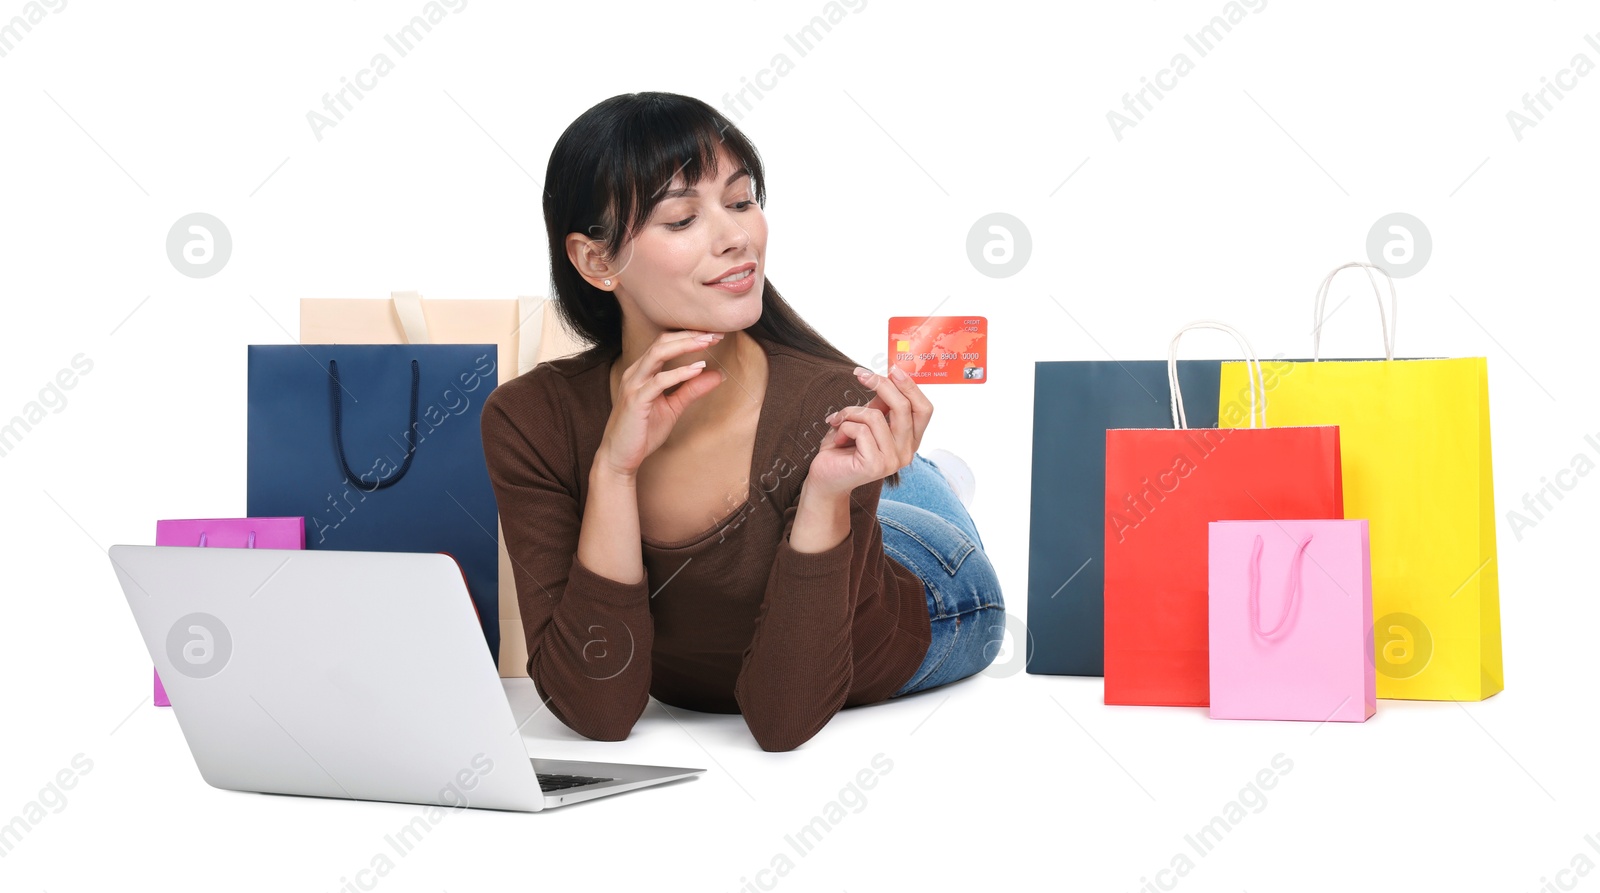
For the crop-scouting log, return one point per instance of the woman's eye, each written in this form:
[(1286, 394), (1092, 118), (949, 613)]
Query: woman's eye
[(738, 206)]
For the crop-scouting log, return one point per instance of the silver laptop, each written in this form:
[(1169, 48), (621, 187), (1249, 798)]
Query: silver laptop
[(360, 675)]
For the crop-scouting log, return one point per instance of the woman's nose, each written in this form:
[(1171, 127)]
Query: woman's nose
[(733, 235)]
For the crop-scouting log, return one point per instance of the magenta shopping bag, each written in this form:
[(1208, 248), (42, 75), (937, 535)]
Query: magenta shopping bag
[(234, 533), (1290, 620)]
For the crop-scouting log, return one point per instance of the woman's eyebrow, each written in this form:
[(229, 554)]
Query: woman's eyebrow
[(690, 190)]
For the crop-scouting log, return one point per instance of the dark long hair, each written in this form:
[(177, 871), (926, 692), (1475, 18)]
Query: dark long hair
[(606, 175)]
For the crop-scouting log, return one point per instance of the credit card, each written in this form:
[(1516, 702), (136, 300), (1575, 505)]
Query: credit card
[(940, 349)]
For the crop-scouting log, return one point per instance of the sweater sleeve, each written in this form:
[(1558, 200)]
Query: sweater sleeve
[(589, 637), (797, 671)]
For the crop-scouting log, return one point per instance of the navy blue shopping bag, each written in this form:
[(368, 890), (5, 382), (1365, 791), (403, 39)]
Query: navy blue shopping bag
[(1074, 403), (379, 448)]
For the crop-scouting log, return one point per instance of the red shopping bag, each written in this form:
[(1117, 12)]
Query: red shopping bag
[(1163, 488)]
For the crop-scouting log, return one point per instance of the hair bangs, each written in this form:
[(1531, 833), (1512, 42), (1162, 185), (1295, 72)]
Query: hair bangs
[(658, 144)]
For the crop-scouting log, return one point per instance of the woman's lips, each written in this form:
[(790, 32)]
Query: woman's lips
[(738, 286)]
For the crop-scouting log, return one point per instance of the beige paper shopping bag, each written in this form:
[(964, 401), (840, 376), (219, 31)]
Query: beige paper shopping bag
[(527, 330)]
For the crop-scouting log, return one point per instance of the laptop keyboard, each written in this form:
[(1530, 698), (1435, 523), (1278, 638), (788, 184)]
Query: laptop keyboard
[(550, 781)]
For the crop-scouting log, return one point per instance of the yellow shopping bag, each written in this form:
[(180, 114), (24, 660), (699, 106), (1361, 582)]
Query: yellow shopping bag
[(1414, 436)]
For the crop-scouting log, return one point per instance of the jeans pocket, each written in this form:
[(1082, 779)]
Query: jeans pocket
[(942, 540)]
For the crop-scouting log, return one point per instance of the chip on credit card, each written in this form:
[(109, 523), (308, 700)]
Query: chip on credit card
[(940, 349)]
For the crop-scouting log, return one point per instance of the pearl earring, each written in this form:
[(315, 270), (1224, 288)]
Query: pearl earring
[(608, 282)]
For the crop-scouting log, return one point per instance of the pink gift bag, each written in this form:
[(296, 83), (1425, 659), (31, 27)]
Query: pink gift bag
[(236, 533), (1291, 620)]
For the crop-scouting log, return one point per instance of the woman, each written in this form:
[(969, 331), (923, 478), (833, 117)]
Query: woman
[(692, 505)]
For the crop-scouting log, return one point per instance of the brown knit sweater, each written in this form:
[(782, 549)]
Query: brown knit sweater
[(731, 620)]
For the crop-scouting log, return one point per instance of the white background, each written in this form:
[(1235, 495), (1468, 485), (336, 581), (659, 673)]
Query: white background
[(1262, 169)]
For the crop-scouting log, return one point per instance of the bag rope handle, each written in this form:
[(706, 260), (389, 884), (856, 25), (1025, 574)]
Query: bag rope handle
[(338, 434)]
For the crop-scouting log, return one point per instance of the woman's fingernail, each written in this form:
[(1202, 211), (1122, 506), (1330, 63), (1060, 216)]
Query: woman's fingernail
[(897, 372), (709, 336), (863, 374), (831, 417)]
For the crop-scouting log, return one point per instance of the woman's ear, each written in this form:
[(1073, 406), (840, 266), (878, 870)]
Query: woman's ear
[(587, 255)]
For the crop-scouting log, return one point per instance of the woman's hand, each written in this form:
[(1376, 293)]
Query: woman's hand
[(642, 415), (870, 442)]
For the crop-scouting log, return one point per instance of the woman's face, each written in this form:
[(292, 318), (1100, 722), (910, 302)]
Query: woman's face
[(697, 235)]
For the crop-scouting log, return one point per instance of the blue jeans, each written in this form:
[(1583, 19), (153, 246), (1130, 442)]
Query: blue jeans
[(927, 529)]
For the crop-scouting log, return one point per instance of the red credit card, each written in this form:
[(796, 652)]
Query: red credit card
[(940, 349)]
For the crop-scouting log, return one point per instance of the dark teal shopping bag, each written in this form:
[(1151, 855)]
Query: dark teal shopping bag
[(1074, 403)]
